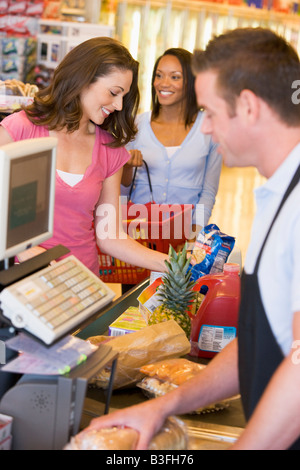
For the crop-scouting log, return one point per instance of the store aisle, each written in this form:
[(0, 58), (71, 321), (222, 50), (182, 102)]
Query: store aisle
[(235, 205)]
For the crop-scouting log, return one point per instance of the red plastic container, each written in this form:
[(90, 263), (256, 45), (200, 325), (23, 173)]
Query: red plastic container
[(215, 323)]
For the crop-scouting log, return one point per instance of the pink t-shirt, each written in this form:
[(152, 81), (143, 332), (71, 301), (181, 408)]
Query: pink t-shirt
[(74, 205)]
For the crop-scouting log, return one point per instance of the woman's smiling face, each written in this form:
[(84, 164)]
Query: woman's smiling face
[(105, 96), (168, 81)]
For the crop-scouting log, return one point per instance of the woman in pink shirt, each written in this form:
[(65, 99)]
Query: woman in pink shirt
[(90, 108)]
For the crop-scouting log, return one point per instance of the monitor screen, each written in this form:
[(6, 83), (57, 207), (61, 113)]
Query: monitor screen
[(27, 181)]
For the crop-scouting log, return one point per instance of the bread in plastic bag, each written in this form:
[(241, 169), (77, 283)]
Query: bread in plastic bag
[(165, 376), (104, 439), (176, 371), (172, 436), (151, 344)]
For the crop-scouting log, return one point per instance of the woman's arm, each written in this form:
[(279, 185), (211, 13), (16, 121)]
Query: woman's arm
[(5, 138), (111, 237)]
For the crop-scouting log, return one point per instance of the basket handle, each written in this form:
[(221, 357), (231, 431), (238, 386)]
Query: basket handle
[(149, 181)]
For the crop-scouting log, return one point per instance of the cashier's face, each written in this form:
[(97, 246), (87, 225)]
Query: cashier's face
[(227, 129), (105, 96)]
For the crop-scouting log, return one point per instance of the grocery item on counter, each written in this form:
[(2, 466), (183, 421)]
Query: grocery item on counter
[(152, 343), (176, 371), (164, 376), (178, 295), (149, 298), (172, 436), (176, 292), (128, 322), (216, 322), (210, 251)]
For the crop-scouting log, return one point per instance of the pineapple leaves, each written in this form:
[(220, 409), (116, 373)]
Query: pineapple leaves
[(177, 287)]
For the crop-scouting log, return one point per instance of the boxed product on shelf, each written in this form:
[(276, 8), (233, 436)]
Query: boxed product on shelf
[(18, 25), (11, 103), (18, 57), (57, 38)]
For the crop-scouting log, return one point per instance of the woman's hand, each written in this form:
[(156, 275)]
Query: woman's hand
[(136, 159)]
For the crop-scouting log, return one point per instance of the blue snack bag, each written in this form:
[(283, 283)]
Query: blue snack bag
[(210, 251)]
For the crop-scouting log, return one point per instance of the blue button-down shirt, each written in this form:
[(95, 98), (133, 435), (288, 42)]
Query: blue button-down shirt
[(190, 176)]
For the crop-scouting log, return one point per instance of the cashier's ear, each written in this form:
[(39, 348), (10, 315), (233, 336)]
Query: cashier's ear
[(249, 106)]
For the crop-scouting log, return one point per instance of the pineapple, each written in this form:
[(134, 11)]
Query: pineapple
[(176, 292)]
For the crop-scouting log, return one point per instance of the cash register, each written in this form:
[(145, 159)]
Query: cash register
[(47, 297)]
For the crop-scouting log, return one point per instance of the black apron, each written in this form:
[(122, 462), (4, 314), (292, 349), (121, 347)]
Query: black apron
[(259, 352)]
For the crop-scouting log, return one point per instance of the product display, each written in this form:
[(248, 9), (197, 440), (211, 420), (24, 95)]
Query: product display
[(15, 87), (172, 436), (14, 93)]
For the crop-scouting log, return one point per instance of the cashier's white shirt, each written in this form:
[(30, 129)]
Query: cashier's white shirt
[(279, 271)]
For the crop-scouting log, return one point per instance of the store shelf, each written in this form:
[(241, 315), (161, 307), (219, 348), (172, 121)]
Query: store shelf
[(149, 27), (222, 8)]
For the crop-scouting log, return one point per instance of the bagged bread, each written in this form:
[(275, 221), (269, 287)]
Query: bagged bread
[(151, 344), (172, 436), (104, 439), (164, 376), (176, 371)]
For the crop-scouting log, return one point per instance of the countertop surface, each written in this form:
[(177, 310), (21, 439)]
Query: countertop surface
[(214, 430)]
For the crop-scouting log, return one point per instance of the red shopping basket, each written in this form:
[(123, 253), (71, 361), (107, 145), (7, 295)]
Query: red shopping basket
[(154, 225)]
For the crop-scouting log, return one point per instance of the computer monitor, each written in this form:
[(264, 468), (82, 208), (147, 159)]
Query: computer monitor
[(27, 182)]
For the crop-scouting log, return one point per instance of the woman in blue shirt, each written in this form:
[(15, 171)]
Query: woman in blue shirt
[(183, 162)]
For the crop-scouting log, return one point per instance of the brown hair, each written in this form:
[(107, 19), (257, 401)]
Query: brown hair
[(58, 106), (255, 59), (185, 59)]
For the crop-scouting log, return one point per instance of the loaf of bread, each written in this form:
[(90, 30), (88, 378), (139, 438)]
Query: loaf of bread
[(104, 439), (176, 371), (172, 436)]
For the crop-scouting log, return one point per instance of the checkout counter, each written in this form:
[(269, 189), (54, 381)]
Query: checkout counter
[(48, 411), (215, 430)]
